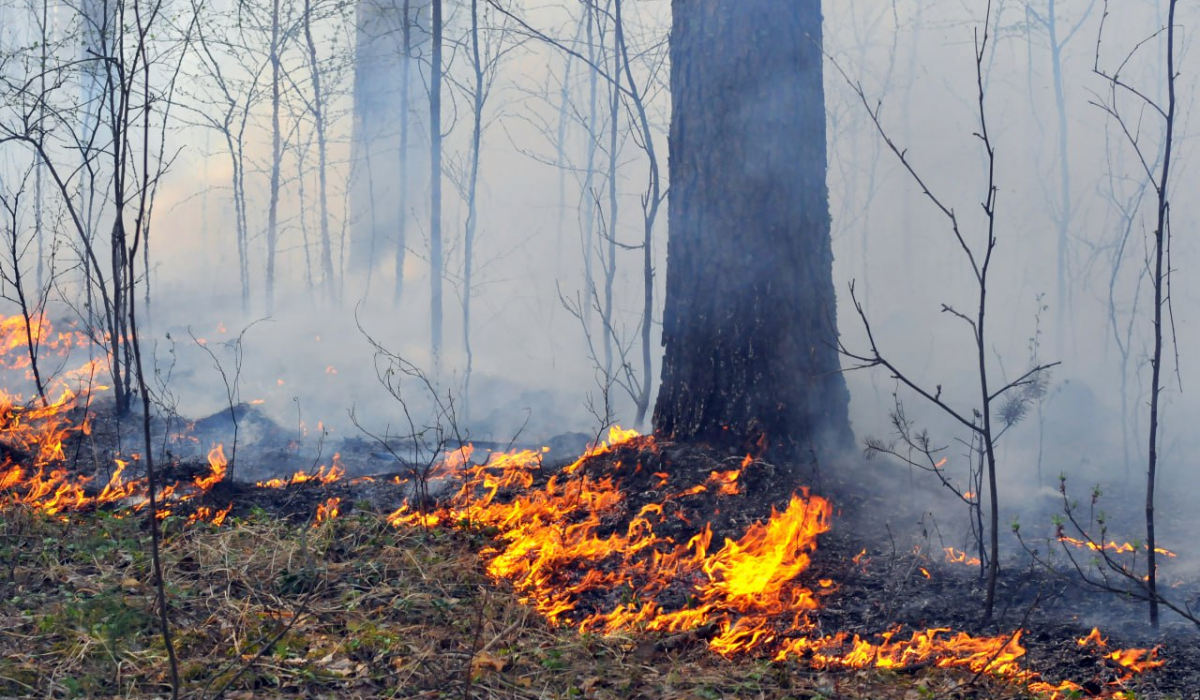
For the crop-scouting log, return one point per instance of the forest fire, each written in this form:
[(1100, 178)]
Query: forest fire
[(540, 217), (956, 557), (746, 595), (323, 475), (574, 547), (33, 432), (1110, 546), (56, 491), (328, 510)]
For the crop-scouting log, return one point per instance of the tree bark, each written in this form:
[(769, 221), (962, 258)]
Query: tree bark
[(748, 324)]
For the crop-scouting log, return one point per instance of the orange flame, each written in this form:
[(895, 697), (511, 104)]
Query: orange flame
[(956, 557), (725, 482), (204, 514), (218, 466), (323, 475), (1111, 546), (553, 548), (328, 510)]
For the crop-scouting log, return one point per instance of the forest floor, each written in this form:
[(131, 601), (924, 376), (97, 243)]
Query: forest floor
[(287, 598), (349, 608)]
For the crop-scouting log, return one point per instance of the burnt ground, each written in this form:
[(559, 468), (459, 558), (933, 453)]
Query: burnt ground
[(903, 578)]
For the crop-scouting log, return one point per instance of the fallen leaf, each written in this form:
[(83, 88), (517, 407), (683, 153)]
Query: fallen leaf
[(486, 661), (342, 667)]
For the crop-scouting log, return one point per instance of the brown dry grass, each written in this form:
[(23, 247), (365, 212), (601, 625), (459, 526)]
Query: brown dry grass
[(350, 608)]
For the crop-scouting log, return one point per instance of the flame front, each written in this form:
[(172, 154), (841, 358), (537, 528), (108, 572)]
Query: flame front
[(323, 475), (1111, 546), (33, 432), (557, 547), (553, 548)]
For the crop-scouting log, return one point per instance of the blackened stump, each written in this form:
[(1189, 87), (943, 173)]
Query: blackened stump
[(748, 325)]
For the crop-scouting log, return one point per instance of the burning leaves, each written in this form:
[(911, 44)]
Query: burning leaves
[(566, 545), (1132, 660)]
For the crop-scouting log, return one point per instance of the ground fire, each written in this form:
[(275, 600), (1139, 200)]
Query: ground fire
[(578, 547)]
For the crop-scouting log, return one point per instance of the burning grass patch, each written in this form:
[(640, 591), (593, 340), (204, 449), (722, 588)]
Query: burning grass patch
[(351, 608)]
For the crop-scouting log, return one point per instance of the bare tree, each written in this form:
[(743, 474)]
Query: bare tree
[(651, 201), (1156, 167), (629, 118), (319, 113), (486, 49), (997, 409), (31, 303), (1058, 37), (275, 59), (436, 273), (406, 61), (237, 97)]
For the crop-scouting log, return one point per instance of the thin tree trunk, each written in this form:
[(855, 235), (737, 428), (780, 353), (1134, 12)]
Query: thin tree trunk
[(405, 119), (610, 264), (39, 230), (1161, 241), (593, 145), (118, 109), (237, 159), (650, 204), (560, 156), (276, 158), (472, 202), (318, 109), (435, 190), (309, 281), (1064, 175)]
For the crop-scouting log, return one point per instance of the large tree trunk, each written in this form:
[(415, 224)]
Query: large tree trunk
[(748, 325)]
